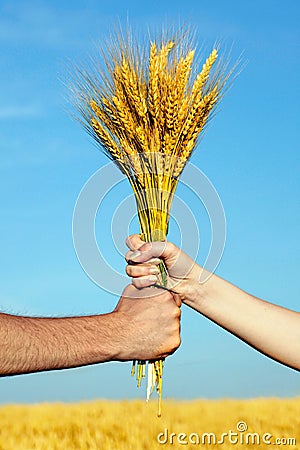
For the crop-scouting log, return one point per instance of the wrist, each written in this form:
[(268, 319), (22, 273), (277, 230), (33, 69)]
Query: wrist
[(104, 338), (121, 338), (200, 288)]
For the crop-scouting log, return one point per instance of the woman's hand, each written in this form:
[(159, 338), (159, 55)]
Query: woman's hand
[(271, 329), (143, 261)]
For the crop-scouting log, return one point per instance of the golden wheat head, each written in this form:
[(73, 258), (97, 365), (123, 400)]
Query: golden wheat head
[(146, 105)]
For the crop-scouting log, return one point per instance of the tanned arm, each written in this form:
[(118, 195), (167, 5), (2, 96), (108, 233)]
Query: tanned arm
[(139, 328)]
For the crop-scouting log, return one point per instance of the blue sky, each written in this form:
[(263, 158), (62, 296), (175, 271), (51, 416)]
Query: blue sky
[(250, 153)]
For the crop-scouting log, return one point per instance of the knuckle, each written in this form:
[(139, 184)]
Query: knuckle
[(174, 345), (176, 317), (131, 238), (146, 247), (171, 247), (135, 282), (127, 256), (177, 342), (175, 312), (166, 297)]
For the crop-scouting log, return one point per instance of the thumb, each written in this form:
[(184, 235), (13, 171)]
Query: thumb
[(134, 242), (164, 250)]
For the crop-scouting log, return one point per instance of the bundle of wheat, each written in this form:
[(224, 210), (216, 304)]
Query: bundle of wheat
[(146, 107)]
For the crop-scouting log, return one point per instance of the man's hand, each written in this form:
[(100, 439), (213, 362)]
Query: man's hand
[(143, 260), (144, 325), (149, 322)]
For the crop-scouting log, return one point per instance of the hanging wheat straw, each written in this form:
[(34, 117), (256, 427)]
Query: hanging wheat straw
[(146, 107)]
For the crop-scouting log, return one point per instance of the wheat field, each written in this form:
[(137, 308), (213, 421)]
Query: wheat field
[(133, 425)]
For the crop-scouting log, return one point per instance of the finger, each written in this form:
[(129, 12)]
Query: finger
[(130, 255), (138, 256), (155, 261), (134, 242), (145, 281), (148, 250), (139, 270), (177, 300)]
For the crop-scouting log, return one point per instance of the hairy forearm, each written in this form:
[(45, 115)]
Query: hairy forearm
[(271, 329), (31, 344)]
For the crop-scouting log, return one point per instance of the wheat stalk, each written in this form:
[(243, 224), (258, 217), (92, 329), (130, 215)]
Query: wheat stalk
[(147, 113)]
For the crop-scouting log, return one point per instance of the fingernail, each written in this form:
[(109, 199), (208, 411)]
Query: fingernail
[(135, 255), (154, 270), (152, 278)]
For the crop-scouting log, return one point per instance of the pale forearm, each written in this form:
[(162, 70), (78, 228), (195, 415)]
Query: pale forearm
[(35, 344), (271, 329)]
